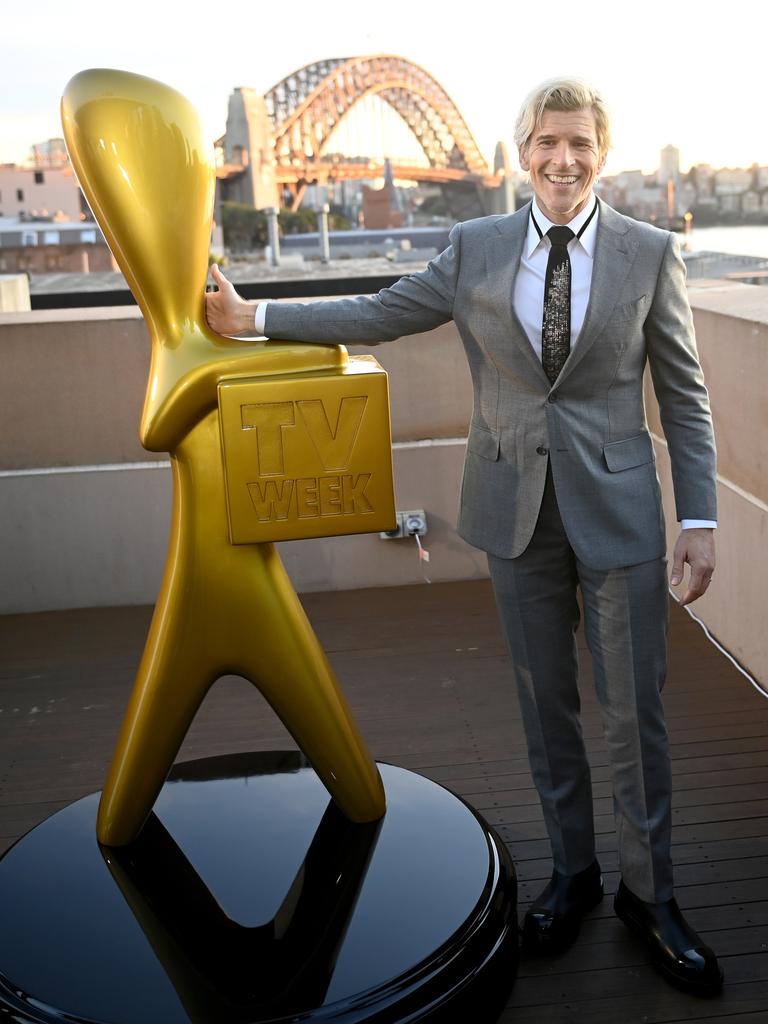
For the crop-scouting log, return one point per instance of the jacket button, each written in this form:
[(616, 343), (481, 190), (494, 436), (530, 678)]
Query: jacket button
[(551, 398), (542, 450)]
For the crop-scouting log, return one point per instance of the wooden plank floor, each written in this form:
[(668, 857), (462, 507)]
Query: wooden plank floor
[(425, 671)]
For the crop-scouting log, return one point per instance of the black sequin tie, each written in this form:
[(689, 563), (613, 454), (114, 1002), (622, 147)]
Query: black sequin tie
[(556, 326)]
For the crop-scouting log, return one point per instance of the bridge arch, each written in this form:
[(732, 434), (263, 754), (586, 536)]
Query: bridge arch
[(306, 106)]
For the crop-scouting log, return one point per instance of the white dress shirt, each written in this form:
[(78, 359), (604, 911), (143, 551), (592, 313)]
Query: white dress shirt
[(261, 316), (529, 287), (529, 283)]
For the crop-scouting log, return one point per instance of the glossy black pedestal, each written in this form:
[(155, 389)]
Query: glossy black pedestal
[(249, 898)]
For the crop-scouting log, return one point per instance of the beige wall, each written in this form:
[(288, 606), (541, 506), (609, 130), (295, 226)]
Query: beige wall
[(95, 536), (732, 335), (73, 386), (84, 509), (58, 192)]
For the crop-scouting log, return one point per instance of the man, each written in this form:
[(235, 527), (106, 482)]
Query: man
[(559, 306)]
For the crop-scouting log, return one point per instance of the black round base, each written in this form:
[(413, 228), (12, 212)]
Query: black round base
[(249, 898)]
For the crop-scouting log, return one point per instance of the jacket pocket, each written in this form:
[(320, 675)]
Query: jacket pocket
[(631, 452), (483, 443), (629, 310)]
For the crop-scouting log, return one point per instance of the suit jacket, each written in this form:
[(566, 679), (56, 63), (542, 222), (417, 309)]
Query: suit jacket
[(591, 422)]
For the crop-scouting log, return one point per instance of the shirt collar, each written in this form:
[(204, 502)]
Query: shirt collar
[(587, 240)]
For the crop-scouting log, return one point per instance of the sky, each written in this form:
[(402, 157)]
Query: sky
[(690, 75)]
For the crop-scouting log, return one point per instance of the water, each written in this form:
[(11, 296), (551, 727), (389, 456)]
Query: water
[(741, 239)]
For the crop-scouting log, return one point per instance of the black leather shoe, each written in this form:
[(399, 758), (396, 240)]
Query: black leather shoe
[(552, 923), (676, 950)]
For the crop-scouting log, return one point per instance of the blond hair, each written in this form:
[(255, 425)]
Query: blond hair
[(563, 94)]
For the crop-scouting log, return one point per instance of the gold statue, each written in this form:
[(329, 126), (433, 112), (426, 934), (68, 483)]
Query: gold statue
[(268, 441)]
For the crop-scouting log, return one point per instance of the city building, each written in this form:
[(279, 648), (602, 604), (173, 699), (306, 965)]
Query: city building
[(51, 153), (381, 206), (732, 181), (669, 166), (722, 195), (750, 202), (46, 246), (702, 177), (40, 192), (636, 194)]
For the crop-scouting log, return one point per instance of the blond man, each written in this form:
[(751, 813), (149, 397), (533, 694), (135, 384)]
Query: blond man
[(560, 307)]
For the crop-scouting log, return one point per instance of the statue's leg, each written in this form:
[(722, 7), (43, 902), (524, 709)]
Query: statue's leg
[(285, 661), (263, 635), (173, 679)]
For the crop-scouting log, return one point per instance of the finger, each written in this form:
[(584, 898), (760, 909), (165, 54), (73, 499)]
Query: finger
[(697, 584), (219, 277), (677, 570), (691, 594)]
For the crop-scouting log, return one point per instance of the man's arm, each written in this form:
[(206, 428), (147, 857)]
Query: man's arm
[(415, 303), (685, 415)]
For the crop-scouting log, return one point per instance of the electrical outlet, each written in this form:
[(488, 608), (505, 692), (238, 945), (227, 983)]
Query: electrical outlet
[(409, 524), (414, 523)]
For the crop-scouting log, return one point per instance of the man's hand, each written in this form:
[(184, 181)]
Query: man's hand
[(697, 548), (225, 311)]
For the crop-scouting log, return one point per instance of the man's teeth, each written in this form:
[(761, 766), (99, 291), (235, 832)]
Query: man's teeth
[(562, 179)]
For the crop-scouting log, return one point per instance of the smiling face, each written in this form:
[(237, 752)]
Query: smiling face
[(563, 159)]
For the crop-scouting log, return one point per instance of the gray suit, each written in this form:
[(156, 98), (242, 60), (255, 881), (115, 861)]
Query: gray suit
[(561, 479)]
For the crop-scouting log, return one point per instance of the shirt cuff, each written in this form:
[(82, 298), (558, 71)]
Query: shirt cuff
[(698, 524), (261, 317)]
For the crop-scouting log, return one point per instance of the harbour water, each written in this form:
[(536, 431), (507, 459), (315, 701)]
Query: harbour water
[(741, 239)]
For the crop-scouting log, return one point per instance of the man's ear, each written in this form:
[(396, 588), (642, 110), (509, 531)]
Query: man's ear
[(522, 156), (601, 163)]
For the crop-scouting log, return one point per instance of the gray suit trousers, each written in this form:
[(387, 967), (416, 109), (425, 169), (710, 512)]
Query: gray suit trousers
[(625, 619)]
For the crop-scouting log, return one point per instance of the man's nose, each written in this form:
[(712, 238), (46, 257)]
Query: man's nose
[(563, 155)]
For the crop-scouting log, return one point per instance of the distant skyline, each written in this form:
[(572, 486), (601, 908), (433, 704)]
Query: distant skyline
[(671, 75)]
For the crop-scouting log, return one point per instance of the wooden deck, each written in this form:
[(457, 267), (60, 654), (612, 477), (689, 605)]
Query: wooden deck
[(424, 668)]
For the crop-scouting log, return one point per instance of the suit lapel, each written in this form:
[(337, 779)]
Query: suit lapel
[(615, 250), (503, 251)]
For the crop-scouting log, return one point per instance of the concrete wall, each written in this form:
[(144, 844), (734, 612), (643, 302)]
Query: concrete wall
[(84, 509), (73, 381), (732, 334)]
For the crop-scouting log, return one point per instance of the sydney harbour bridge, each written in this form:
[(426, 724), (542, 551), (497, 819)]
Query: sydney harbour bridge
[(278, 144)]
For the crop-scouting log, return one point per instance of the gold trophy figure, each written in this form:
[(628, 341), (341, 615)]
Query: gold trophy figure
[(268, 441)]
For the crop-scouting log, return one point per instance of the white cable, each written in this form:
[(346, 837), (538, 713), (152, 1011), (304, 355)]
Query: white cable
[(423, 557), (720, 647)]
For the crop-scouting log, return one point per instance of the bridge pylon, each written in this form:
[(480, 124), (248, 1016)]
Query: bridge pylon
[(249, 145)]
